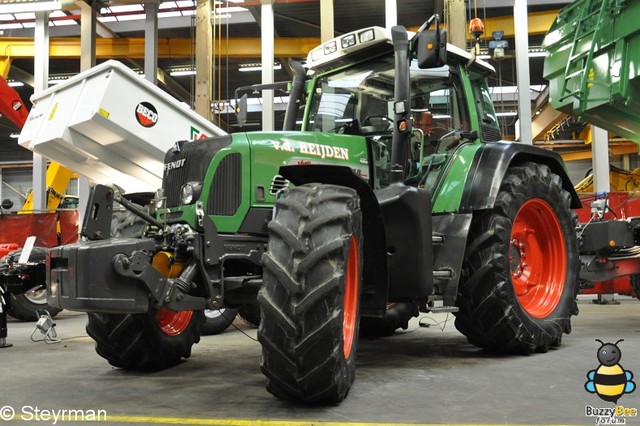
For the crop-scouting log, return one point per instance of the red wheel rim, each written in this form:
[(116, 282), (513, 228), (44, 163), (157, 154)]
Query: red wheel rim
[(538, 258), (350, 306), (172, 323)]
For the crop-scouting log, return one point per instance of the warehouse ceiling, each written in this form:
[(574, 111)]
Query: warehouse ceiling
[(237, 18)]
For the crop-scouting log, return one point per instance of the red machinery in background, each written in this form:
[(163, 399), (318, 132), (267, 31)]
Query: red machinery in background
[(619, 205), (24, 284), (11, 105)]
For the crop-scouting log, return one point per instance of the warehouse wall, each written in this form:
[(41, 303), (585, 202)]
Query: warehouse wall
[(578, 169), (16, 183)]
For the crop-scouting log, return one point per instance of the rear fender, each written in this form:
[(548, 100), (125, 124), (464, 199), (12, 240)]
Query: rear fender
[(490, 164)]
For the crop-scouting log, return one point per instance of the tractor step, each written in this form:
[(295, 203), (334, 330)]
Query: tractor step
[(443, 274), (441, 309)]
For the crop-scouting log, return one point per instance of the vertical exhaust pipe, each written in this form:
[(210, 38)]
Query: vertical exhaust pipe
[(297, 89), (402, 104)]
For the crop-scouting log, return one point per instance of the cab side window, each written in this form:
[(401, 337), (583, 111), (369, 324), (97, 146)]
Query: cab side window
[(489, 125)]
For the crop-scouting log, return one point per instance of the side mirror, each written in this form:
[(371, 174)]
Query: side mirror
[(6, 204), (241, 110), (432, 48)]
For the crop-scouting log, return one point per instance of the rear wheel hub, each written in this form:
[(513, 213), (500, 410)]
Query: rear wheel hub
[(537, 258)]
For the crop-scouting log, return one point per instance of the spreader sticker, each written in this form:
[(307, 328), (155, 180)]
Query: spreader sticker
[(146, 114)]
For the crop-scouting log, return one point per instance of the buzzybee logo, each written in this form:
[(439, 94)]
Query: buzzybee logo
[(146, 114), (610, 381)]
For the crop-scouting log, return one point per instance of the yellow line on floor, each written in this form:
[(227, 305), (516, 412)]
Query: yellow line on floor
[(240, 422), (253, 422)]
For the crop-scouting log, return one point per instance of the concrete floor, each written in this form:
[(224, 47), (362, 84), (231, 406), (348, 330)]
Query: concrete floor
[(422, 375)]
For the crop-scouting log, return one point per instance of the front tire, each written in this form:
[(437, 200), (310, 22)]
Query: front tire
[(152, 341), (519, 290), (310, 295)]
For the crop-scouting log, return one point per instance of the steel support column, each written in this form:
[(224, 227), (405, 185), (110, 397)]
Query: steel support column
[(88, 26), (151, 41), (204, 59), (326, 20), (600, 159), (457, 23), (41, 79), (268, 57), (88, 32), (390, 13), (522, 70)]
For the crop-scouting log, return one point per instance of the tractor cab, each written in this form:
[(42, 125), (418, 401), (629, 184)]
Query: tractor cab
[(352, 91)]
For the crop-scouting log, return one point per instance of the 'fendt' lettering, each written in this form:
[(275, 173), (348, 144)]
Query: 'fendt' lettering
[(173, 165)]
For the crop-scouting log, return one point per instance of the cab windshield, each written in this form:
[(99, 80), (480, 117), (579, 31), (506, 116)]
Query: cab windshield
[(359, 100)]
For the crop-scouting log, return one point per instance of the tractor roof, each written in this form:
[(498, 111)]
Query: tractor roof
[(365, 40)]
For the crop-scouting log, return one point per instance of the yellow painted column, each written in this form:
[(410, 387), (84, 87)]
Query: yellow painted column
[(5, 66)]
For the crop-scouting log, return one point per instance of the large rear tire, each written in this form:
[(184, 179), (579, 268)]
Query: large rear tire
[(310, 295), (151, 341), (520, 284)]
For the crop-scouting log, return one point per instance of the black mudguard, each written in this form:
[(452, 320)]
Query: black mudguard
[(397, 235), (490, 165)]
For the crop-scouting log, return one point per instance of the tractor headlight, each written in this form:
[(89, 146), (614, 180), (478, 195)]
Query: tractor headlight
[(367, 35), (160, 199), (348, 41), (190, 192), (330, 48)]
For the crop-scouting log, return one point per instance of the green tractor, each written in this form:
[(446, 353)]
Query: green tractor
[(396, 196)]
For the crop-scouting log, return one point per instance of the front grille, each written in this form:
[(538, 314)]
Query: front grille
[(189, 163), (226, 189)]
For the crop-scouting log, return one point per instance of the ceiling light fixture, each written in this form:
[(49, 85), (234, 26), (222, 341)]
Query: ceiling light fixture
[(181, 73), (30, 6), (256, 67)]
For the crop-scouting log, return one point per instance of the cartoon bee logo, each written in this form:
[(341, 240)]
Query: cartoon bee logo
[(610, 381)]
